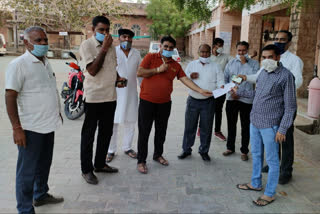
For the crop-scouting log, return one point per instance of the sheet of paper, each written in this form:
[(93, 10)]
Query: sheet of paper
[(222, 91)]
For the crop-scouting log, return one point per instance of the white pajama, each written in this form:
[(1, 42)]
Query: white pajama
[(127, 136)]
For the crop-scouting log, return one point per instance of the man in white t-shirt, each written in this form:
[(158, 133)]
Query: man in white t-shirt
[(128, 60), (207, 75), (33, 108)]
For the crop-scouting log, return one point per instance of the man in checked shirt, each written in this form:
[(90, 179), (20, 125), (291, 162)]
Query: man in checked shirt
[(272, 114)]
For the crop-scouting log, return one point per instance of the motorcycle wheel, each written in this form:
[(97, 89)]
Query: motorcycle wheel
[(73, 112)]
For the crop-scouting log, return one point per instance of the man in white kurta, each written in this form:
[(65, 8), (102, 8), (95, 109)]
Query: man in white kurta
[(128, 60)]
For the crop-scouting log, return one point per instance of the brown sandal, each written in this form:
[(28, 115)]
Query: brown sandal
[(142, 168), (227, 153), (131, 153), (162, 161), (262, 202)]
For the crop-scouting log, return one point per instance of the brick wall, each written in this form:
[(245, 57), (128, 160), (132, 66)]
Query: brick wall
[(304, 27)]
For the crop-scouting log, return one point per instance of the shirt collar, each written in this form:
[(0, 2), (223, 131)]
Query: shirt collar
[(285, 53), (35, 59), (95, 41)]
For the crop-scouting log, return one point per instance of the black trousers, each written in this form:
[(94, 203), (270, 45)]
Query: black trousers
[(287, 156), (233, 108), (218, 112), (149, 112), (101, 115)]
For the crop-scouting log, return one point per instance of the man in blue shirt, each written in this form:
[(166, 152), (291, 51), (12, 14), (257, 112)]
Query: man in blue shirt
[(242, 64), (272, 114)]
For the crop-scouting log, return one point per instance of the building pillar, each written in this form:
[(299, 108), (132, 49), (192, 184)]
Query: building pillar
[(304, 27), (251, 31)]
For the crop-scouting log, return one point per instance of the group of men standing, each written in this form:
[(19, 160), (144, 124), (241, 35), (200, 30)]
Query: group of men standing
[(111, 102)]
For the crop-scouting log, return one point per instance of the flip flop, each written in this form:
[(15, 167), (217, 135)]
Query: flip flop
[(162, 161), (131, 153), (110, 157), (247, 187), (263, 202), (142, 168)]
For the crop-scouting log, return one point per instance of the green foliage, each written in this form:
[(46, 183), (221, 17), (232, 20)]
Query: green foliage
[(65, 15), (201, 9), (167, 19)]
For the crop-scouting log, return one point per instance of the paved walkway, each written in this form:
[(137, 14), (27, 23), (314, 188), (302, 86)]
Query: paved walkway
[(185, 186)]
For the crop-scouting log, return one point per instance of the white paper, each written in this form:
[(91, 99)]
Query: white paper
[(222, 91)]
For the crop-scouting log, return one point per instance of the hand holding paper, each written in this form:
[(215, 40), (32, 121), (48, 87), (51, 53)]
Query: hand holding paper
[(222, 91)]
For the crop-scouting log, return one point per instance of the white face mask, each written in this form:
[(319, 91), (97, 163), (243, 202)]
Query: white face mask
[(204, 60), (246, 56), (219, 50), (269, 65)]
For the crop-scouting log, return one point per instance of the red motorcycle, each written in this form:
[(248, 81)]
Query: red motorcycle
[(72, 91)]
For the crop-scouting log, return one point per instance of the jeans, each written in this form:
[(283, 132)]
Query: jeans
[(33, 168), (149, 112), (203, 109), (233, 108), (101, 115), (218, 112), (265, 139)]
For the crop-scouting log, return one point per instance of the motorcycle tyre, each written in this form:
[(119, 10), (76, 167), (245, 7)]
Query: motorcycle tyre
[(73, 116)]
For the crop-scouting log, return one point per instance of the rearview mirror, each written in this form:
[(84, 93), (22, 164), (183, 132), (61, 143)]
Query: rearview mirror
[(72, 55)]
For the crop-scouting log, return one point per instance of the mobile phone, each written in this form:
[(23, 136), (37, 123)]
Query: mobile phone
[(236, 79)]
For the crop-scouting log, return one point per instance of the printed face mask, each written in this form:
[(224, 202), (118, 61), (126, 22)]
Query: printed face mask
[(204, 60), (269, 65), (125, 45)]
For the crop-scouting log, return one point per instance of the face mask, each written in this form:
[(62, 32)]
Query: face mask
[(125, 45), (246, 56), (100, 36), (40, 50), (219, 50), (204, 60), (281, 46), (269, 65), (167, 54)]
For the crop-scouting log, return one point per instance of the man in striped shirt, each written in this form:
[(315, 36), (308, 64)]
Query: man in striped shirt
[(272, 114)]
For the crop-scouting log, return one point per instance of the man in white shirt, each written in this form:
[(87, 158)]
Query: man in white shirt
[(128, 60), (221, 59), (33, 108), (207, 75), (295, 65)]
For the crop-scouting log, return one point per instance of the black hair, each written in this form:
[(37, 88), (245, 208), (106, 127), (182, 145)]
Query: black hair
[(244, 43), (99, 19), (274, 48), (169, 39), (217, 41), (289, 34), (205, 45)]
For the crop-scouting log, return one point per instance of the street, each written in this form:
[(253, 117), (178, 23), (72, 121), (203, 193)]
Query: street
[(185, 186)]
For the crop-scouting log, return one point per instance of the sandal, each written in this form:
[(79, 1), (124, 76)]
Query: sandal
[(161, 160), (142, 168), (247, 187), (110, 157), (262, 202), (131, 153)]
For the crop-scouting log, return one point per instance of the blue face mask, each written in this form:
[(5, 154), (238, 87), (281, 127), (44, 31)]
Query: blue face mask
[(100, 36), (167, 54), (281, 46), (40, 50)]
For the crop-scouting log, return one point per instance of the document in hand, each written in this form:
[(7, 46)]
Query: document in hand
[(221, 91)]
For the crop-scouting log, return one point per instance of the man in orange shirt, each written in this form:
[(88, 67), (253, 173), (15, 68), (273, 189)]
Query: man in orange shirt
[(158, 71)]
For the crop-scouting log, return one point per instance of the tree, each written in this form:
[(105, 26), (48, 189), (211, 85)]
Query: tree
[(167, 19), (63, 15), (201, 9)]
